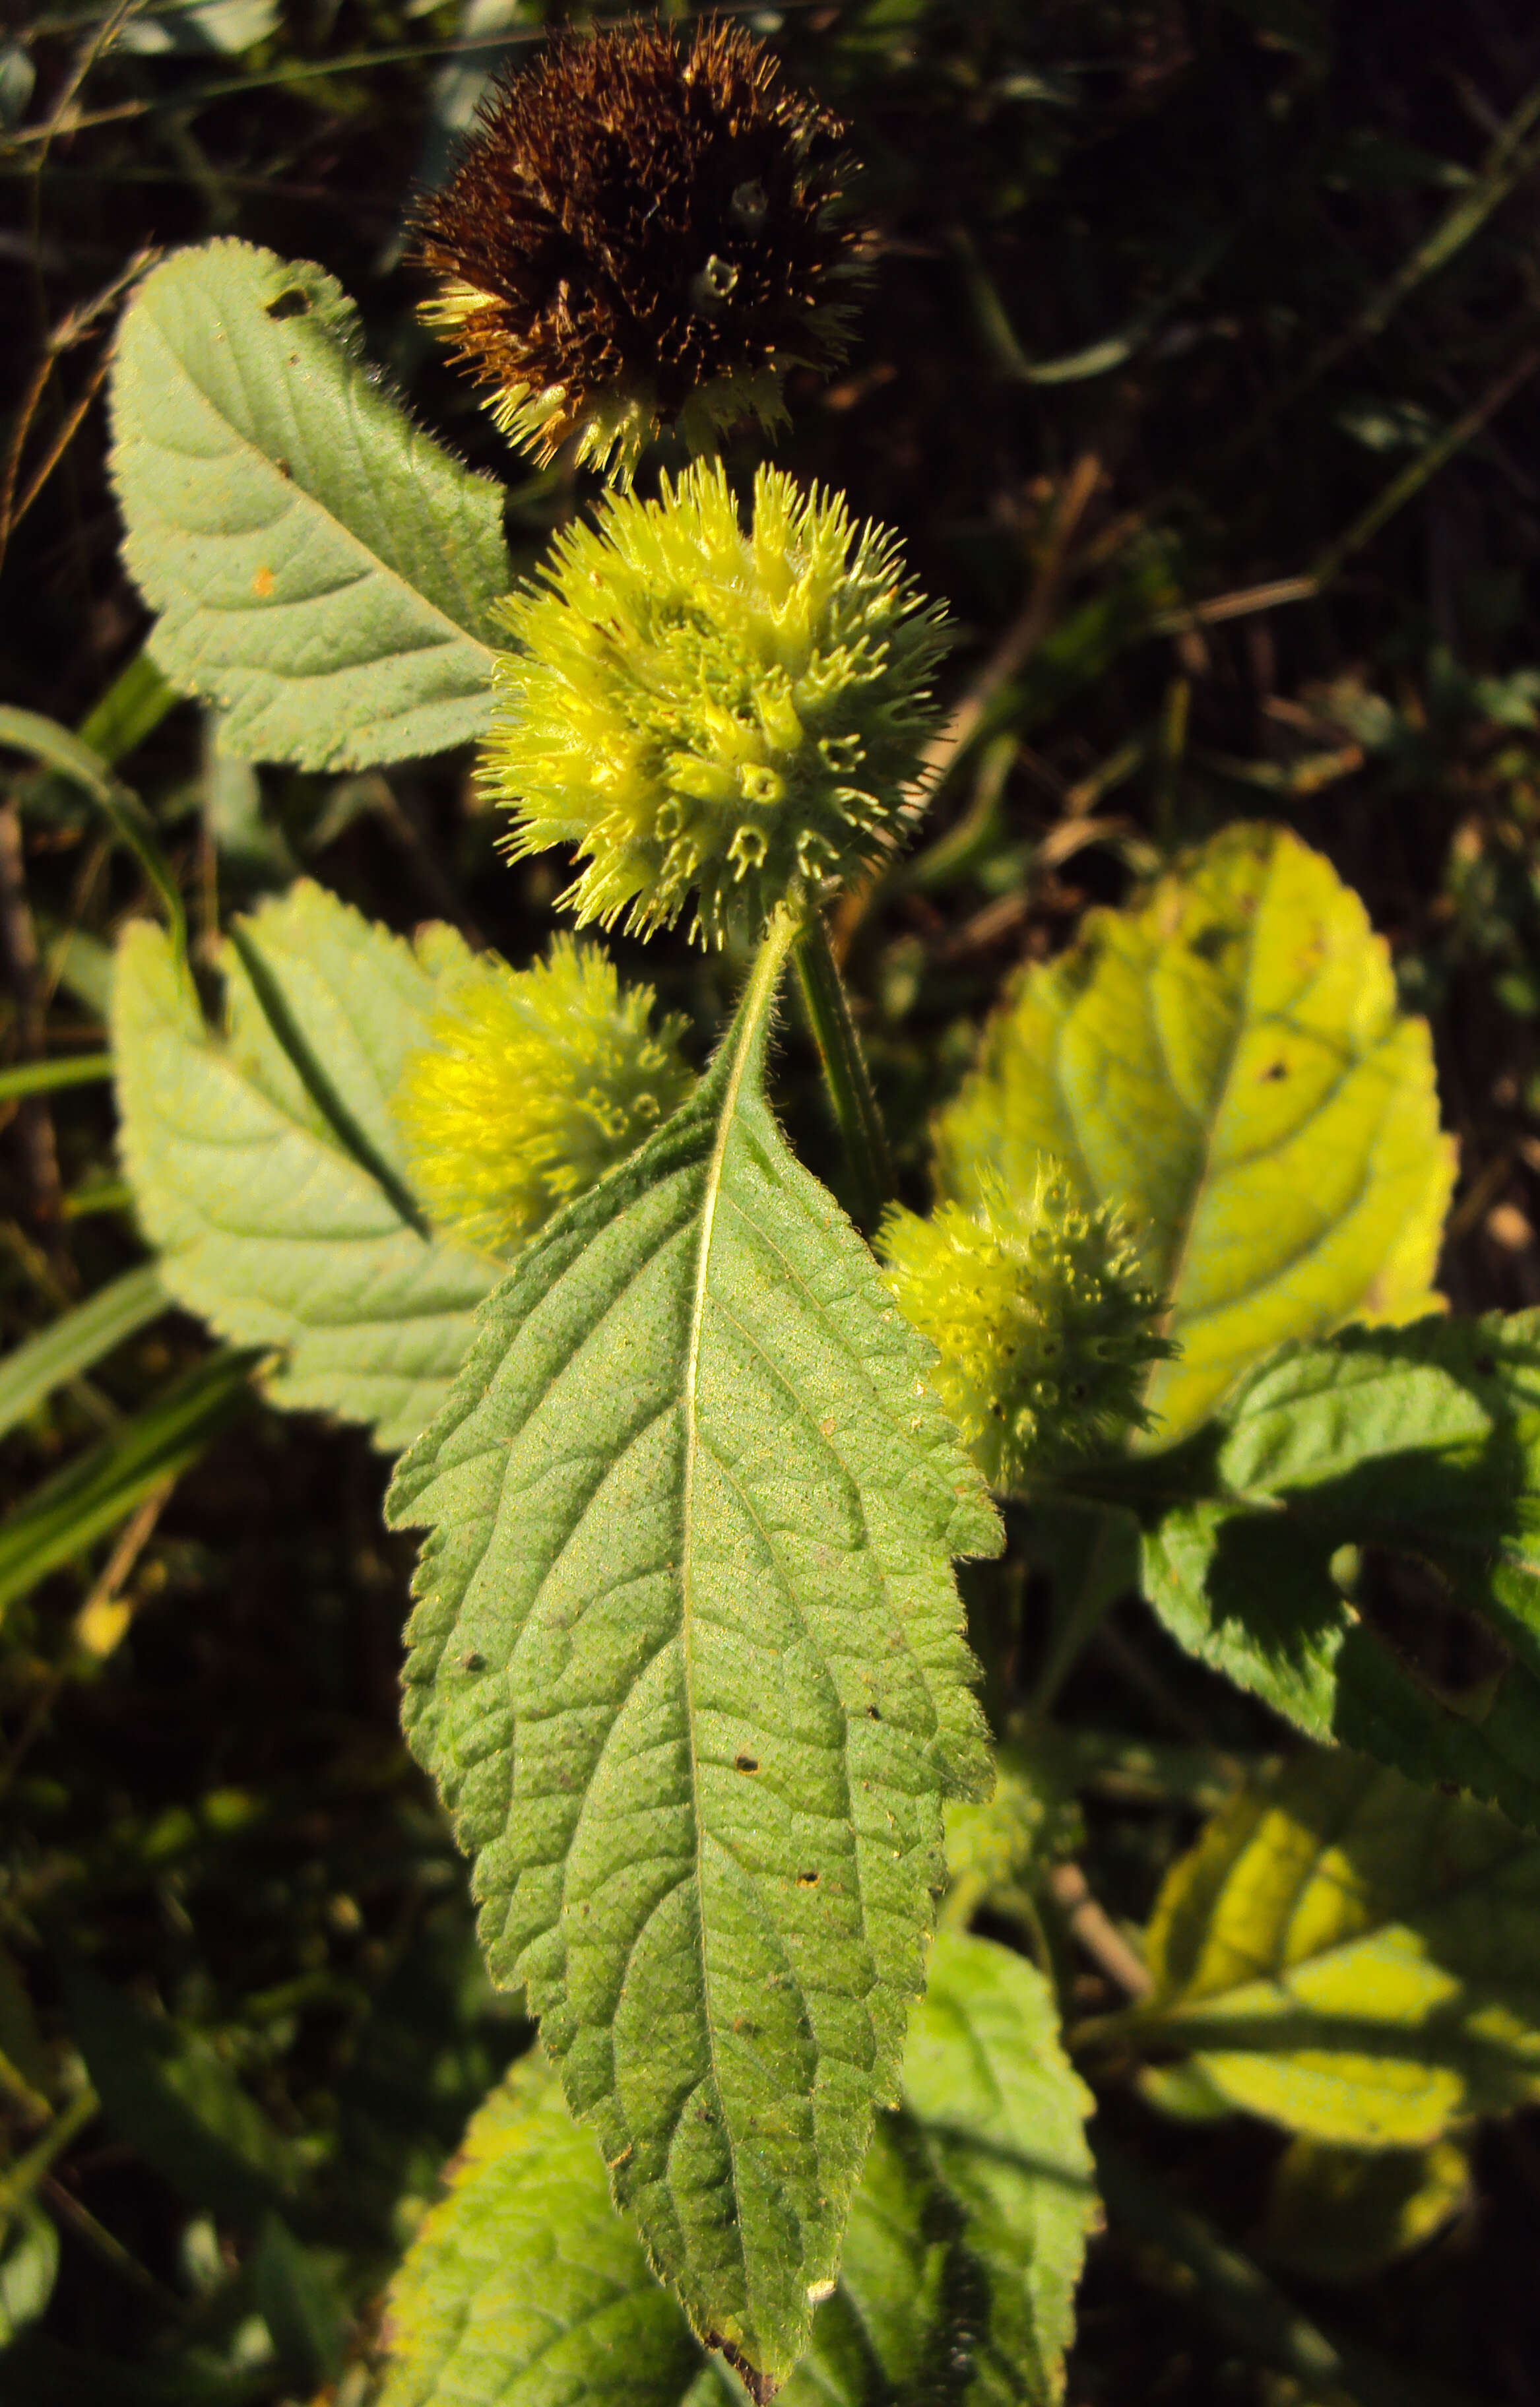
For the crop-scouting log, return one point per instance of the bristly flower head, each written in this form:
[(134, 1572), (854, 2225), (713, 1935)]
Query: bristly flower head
[(696, 709), (641, 234), (532, 1085), (1042, 1318)]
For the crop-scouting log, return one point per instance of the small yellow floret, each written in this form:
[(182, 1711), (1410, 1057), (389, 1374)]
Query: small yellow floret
[(1041, 1316), (532, 1085)]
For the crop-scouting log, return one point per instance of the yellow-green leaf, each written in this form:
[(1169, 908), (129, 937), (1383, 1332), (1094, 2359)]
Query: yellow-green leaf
[(1354, 1958), (1339, 2215), (1228, 1063)]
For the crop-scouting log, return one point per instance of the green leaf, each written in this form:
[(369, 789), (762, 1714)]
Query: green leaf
[(960, 2262), (523, 2284), (688, 1668), (266, 1165), (301, 2303), (1339, 2215), (29, 2263), (68, 1513), (1352, 1957), (168, 2092), (323, 570), (1228, 1064), (1002, 2118), (992, 1847), (1357, 1546), (79, 1337)]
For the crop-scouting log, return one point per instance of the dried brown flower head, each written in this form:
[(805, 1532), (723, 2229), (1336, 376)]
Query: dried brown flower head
[(641, 234)]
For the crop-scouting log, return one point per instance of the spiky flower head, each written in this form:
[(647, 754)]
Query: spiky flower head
[(1041, 1315), (532, 1083), (642, 235), (698, 709)]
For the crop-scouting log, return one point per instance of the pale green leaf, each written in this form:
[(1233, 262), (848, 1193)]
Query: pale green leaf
[(687, 1667), (266, 1165), (1228, 1064), (1339, 2215), (966, 2239), (1359, 1544), (324, 571), (1352, 1957)]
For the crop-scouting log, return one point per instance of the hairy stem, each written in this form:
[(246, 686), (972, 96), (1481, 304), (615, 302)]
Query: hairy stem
[(828, 1010)]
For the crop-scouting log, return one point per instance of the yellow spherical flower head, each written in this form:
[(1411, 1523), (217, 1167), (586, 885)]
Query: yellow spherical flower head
[(1041, 1315), (701, 709), (532, 1085)]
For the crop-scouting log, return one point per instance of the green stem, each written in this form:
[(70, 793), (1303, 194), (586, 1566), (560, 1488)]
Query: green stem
[(26, 2174), (27, 730), (828, 1010), (1080, 1625)]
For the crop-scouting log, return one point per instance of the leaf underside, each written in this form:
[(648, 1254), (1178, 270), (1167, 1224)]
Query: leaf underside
[(1355, 1958), (1229, 1066), (278, 1200), (1362, 1550), (687, 1667), (963, 2247), (323, 570)]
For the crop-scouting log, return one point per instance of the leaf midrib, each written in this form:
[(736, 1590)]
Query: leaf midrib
[(746, 1040), (291, 489), (1206, 1127)]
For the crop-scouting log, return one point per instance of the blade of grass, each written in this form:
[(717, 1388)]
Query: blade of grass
[(47, 1078), (77, 1339), (44, 739), (60, 1518), (131, 708)]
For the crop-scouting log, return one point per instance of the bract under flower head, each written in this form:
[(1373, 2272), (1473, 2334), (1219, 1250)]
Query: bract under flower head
[(641, 234), (1041, 1316), (699, 709), (532, 1085)]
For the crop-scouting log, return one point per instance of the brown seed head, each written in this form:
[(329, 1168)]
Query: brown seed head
[(641, 234)]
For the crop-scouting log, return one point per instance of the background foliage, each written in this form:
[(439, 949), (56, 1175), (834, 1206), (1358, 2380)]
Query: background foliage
[(1198, 371)]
